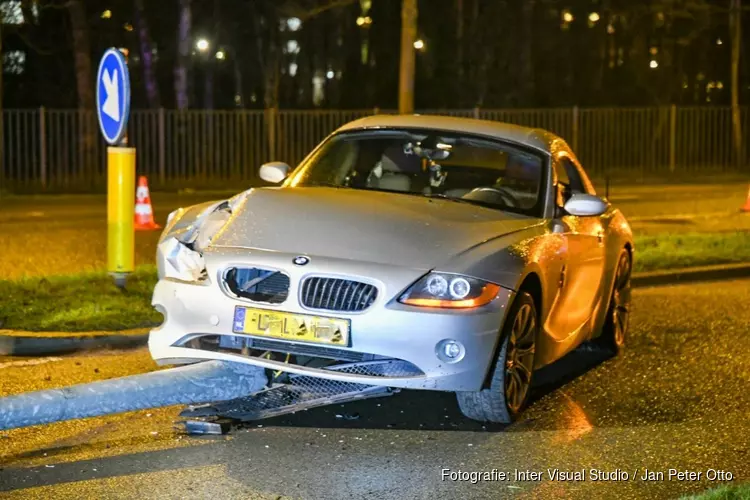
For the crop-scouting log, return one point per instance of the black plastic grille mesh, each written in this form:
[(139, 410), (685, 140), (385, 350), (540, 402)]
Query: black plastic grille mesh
[(333, 294), (259, 285)]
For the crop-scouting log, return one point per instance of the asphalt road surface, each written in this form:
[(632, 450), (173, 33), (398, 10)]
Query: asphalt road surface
[(49, 235), (675, 399)]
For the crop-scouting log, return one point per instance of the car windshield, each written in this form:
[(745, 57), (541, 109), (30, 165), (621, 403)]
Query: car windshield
[(460, 167)]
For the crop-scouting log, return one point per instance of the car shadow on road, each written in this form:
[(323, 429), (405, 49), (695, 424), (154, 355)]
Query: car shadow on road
[(431, 410)]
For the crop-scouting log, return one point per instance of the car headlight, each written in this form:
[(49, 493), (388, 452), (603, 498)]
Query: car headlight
[(449, 291), (181, 262)]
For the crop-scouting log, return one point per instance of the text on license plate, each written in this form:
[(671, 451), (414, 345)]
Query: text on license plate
[(290, 326)]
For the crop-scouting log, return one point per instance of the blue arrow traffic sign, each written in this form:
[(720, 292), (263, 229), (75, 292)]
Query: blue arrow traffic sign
[(113, 96)]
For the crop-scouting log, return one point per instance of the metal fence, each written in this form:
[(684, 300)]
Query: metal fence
[(60, 149)]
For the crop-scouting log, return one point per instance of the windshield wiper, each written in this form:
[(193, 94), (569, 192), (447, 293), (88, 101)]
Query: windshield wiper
[(469, 201), (325, 184)]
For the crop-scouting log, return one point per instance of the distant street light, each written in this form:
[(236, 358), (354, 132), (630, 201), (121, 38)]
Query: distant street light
[(221, 55), (202, 44), (419, 44), (594, 17), (653, 64), (568, 16)]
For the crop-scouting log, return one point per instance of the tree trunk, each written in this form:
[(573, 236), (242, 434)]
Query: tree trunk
[(239, 95), (85, 85), (183, 56), (525, 53), (82, 52), (2, 107), (406, 73), (147, 56), (736, 37), (208, 90), (460, 50), (268, 59)]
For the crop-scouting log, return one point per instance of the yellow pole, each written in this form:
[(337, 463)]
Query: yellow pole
[(120, 213)]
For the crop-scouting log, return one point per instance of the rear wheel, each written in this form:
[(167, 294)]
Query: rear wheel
[(618, 316), (512, 373)]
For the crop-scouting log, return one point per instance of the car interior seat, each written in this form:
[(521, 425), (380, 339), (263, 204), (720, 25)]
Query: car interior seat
[(393, 167)]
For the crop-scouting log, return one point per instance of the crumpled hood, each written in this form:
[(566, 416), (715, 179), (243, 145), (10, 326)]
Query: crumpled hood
[(370, 226)]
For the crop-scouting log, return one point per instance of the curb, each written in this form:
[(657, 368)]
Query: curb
[(691, 275), (14, 343)]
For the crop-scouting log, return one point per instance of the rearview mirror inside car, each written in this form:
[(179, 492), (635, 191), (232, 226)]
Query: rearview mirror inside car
[(585, 205), (274, 172)]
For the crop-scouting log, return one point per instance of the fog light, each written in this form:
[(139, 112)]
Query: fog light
[(450, 351)]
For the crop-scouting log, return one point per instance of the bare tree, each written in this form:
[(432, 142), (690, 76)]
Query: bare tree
[(183, 56), (406, 71), (735, 27), (85, 87), (147, 56), (525, 51)]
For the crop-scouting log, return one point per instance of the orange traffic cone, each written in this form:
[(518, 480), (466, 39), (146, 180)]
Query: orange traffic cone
[(144, 214), (746, 206)]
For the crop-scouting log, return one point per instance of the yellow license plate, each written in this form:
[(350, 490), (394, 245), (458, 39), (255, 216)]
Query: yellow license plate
[(291, 326)]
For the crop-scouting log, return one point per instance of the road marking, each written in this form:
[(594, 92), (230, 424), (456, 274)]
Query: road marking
[(28, 362)]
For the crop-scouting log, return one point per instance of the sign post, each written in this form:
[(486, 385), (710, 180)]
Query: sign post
[(113, 110)]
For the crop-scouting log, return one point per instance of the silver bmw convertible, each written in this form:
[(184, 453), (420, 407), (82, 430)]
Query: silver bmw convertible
[(417, 252)]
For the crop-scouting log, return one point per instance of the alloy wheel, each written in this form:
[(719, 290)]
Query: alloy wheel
[(519, 360)]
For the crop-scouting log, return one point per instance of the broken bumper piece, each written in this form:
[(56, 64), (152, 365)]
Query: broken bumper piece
[(302, 392)]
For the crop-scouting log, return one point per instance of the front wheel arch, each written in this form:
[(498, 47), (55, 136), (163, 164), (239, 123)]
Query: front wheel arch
[(532, 285)]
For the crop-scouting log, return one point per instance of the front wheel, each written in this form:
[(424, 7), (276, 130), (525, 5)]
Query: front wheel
[(618, 315), (511, 377)]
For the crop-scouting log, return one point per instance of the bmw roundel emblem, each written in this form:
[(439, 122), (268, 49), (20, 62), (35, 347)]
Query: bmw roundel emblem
[(301, 260)]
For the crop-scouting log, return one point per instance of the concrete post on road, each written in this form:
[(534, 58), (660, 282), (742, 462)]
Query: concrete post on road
[(113, 109)]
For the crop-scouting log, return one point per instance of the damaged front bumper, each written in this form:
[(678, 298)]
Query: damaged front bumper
[(406, 340)]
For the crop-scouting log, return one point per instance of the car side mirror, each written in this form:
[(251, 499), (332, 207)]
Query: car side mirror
[(585, 205), (274, 172)]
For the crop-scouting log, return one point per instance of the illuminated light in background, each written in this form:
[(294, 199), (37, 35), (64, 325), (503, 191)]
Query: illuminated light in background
[(719, 41), (419, 44), (128, 27), (653, 64), (292, 47), (610, 29), (294, 23), (593, 17), (567, 16), (202, 44), (14, 62), (293, 69), (221, 55), (107, 14), (330, 74)]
